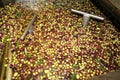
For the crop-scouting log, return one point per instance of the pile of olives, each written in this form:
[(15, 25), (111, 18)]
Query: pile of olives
[(59, 48)]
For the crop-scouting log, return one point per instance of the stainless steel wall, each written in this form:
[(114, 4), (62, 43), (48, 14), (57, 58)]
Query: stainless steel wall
[(111, 9), (116, 3), (6, 1)]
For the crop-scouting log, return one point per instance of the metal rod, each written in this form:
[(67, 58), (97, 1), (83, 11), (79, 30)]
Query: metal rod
[(28, 28), (84, 13), (85, 20), (9, 70), (87, 16), (5, 55)]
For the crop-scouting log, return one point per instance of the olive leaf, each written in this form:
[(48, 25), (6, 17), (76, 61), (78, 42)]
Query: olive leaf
[(18, 14), (40, 61), (5, 38), (102, 67), (29, 55), (41, 73), (76, 66), (100, 34), (73, 76), (17, 44), (98, 60)]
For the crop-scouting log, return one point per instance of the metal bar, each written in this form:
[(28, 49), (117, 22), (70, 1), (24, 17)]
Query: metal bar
[(86, 16), (28, 28), (5, 55), (84, 13), (9, 70), (85, 20)]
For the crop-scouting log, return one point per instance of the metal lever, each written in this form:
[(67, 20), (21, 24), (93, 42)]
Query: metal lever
[(29, 28), (86, 16)]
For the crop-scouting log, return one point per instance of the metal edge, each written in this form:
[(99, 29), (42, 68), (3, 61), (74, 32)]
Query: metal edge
[(110, 10)]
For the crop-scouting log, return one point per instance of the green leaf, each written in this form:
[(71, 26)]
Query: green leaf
[(98, 60), (17, 44), (29, 55), (102, 67), (73, 76), (40, 61), (100, 34), (76, 66), (18, 14), (5, 38)]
